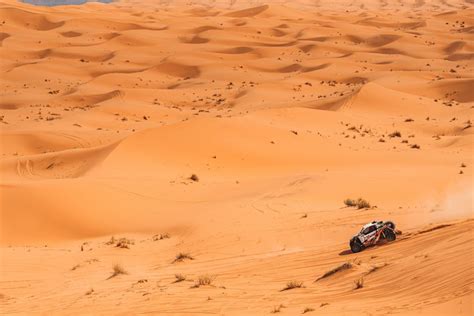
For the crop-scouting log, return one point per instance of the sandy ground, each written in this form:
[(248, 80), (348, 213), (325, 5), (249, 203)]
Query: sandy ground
[(281, 110)]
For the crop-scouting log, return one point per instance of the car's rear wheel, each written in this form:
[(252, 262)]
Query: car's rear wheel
[(389, 234), (390, 224), (356, 245)]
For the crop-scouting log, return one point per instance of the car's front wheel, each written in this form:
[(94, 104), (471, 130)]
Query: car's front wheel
[(356, 245)]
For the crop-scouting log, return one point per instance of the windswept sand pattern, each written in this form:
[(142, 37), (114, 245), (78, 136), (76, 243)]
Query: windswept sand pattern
[(192, 157)]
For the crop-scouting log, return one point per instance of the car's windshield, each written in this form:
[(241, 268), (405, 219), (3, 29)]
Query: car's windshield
[(367, 230)]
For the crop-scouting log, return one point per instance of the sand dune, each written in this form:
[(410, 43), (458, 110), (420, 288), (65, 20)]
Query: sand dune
[(231, 131)]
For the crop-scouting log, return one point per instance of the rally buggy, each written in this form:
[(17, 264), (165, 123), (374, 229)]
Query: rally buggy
[(371, 233)]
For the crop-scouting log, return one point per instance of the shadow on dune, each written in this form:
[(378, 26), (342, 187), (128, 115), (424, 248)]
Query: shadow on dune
[(345, 252)]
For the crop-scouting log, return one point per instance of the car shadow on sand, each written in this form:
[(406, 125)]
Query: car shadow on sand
[(345, 252)]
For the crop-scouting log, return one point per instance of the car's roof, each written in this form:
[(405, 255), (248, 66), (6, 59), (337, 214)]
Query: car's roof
[(367, 225)]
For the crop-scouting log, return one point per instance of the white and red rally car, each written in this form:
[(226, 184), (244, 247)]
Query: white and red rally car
[(371, 233)]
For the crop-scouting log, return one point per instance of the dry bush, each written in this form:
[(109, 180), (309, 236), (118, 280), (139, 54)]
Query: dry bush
[(124, 243), (342, 267), (161, 237), (111, 241), (292, 285), (182, 256), (120, 243), (179, 278), (77, 266), (350, 202), (277, 309), (142, 281), (194, 178), (361, 203), (90, 291), (415, 146), (395, 134), (203, 280), (359, 283), (117, 270), (307, 310)]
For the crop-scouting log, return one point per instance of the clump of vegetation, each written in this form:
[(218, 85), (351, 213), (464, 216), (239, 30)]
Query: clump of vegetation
[(161, 237), (117, 270), (350, 202), (77, 266), (194, 178), (141, 281), (359, 283), (120, 243), (182, 256), (395, 134), (90, 291), (179, 278), (111, 241), (359, 203), (203, 280), (277, 309), (415, 146), (339, 268), (292, 285), (307, 310), (124, 243)]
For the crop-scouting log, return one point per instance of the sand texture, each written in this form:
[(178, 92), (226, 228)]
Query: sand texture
[(205, 148)]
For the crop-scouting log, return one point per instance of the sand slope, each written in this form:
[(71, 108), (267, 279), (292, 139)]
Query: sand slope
[(282, 110)]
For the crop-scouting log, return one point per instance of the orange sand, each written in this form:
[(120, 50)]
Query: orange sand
[(282, 110)]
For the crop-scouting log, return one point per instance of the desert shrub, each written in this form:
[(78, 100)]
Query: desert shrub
[(307, 310), (117, 270), (182, 256), (89, 292), (339, 268), (124, 243), (111, 241), (292, 285), (361, 203), (179, 278), (277, 309), (203, 280), (350, 202), (161, 237), (358, 284)]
